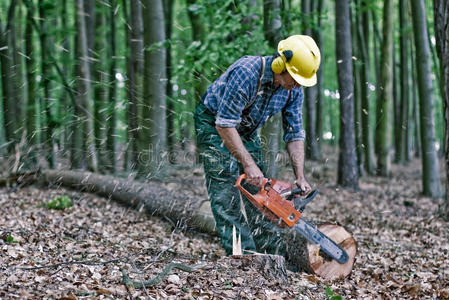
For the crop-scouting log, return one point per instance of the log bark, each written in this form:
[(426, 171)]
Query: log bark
[(197, 215), (151, 196)]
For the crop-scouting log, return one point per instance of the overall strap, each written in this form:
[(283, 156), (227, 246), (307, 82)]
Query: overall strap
[(262, 71)]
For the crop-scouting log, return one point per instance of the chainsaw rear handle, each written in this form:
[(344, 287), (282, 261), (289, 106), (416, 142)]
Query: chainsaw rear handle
[(257, 199), (238, 183)]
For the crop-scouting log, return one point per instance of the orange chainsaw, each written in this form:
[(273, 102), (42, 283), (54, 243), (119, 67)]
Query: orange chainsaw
[(280, 203)]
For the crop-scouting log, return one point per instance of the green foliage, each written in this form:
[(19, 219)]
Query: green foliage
[(59, 203), (10, 240), (331, 295), (228, 37)]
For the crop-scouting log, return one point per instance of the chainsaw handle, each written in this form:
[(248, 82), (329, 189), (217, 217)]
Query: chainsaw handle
[(256, 200), (238, 183)]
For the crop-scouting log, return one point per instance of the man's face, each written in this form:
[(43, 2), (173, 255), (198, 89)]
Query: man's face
[(287, 81)]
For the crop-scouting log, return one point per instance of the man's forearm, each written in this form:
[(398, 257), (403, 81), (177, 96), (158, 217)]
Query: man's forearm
[(234, 144), (296, 152)]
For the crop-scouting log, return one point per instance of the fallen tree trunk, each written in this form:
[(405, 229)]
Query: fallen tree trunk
[(152, 196), (196, 214)]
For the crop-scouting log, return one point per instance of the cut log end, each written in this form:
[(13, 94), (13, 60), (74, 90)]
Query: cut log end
[(307, 257), (327, 268)]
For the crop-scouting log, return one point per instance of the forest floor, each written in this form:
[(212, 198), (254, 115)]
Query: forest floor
[(80, 252)]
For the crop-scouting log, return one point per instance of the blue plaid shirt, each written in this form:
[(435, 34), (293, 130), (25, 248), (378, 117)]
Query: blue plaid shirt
[(228, 98)]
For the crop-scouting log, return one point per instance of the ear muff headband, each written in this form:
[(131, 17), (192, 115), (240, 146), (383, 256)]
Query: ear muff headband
[(278, 64)]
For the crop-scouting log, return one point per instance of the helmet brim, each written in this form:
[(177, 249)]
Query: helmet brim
[(303, 81)]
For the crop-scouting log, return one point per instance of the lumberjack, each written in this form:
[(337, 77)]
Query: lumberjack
[(240, 101)]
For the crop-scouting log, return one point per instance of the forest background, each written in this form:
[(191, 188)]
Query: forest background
[(110, 86)]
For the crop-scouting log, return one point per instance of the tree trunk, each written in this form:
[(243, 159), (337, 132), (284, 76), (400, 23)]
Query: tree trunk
[(8, 85), (112, 93), (383, 135), (430, 174), (100, 85), (270, 131), (310, 93), (84, 89), (347, 162), (441, 16), (199, 81), (154, 134), (405, 86), (396, 106), (46, 55), (31, 111), (134, 82), (317, 35), (415, 109), (197, 215), (363, 38), (171, 114), (65, 70), (357, 73), (198, 28), (18, 79)]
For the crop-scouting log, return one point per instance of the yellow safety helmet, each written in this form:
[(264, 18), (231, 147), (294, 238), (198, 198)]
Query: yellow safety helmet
[(300, 56)]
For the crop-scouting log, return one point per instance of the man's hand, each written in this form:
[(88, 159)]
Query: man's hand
[(234, 143), (296, 151), (254, 175), (303, 185)]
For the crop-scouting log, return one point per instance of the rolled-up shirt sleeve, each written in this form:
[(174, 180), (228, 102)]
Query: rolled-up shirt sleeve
[(292, 117), (235, 97)]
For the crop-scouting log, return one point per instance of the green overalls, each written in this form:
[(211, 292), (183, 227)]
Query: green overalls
[(222, 170)]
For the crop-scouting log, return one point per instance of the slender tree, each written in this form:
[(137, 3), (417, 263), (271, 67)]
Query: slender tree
[(416, 132), (8, 86), (363, 38), (45, 14), (84, 90), (441, 17), (65, 70), (270, 132), (311, 93), (134, 82), (430, 175), (171, 134), (317, 8), (347, 162), (383, 135), (154, 134), (404, 37), (356, 52), (99, 67), (112, 93), (18, 77), (198, 29), (31, 108), (199, 81)]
